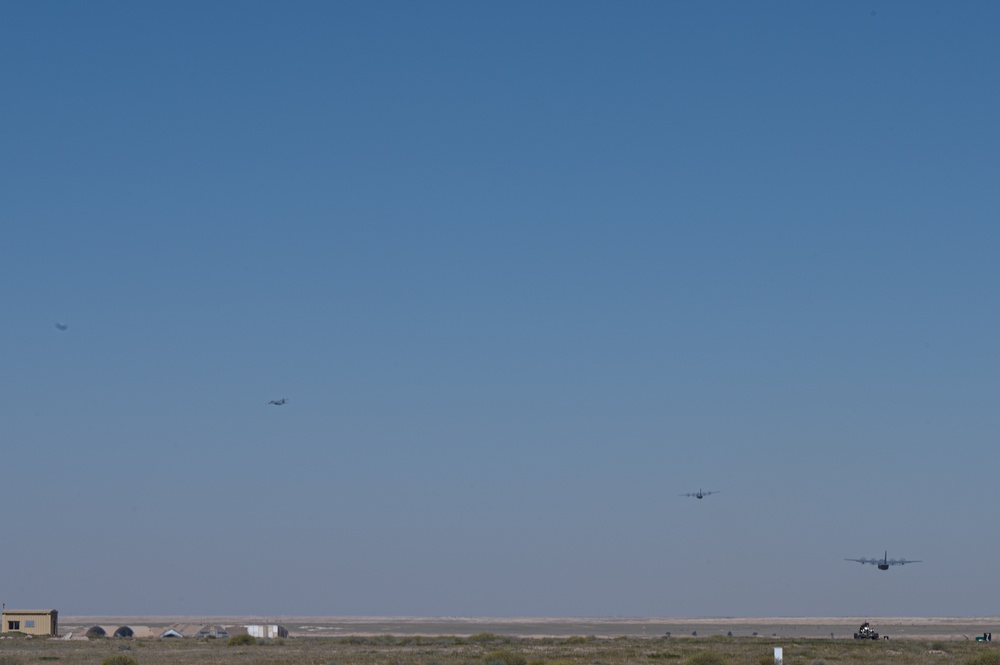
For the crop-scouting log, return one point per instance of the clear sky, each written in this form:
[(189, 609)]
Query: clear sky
[(525, 272)]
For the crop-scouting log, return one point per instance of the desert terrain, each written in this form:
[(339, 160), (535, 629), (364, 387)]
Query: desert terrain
[(362, 640), (926, 628)]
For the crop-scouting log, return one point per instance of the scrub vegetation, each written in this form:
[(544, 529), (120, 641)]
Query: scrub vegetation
[(489, 649), (119, 659)]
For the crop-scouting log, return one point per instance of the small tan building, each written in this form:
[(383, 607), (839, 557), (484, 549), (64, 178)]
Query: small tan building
[(30, 622)]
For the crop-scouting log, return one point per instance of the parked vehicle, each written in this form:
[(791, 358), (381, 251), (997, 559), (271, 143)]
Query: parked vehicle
[(866, 632)]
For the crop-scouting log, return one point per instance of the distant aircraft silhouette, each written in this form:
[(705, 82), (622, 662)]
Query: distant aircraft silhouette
[(61, 326), (700, 494), (884, 562), (278, 402)]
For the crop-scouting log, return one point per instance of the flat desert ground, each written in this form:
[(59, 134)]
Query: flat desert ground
[(938, 628)]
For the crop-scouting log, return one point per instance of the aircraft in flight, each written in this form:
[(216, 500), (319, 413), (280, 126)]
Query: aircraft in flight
[(884, 562), (700, 494), (62, 326), (279, 402)]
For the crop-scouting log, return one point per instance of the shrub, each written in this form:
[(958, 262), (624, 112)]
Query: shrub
[(987, 658), (241, 640), (707, 658), (119, 659), (484, 637), (504, 657)]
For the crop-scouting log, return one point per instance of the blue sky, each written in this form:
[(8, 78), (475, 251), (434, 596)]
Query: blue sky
[(525, 272)]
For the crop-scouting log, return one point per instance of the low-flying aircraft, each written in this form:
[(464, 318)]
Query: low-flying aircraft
[(884, 562), (61, 326), (279, 402), (700, 494)]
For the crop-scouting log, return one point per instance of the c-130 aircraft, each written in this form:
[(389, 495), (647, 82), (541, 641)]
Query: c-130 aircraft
[(700, 494), (885, 561)]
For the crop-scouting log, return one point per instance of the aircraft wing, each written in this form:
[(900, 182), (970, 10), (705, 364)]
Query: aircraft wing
[(879, 562)]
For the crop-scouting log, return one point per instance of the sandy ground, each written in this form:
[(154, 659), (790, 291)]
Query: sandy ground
[(943, 628)]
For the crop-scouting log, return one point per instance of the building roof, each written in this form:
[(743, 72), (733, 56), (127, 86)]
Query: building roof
[(6, 611), (213, 630)]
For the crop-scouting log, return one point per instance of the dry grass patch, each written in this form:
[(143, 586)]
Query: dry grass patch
[(490, 649)]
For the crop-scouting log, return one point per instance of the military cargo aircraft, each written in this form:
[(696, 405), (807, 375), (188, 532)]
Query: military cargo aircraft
[(884, 562), (700, 494)]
